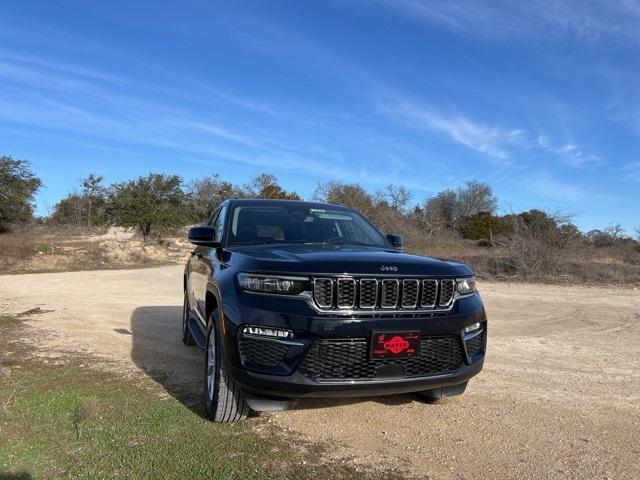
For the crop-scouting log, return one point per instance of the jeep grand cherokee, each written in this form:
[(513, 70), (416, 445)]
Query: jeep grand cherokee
[(296, 299)]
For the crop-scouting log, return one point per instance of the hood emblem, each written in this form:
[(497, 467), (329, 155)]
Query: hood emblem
[(388, 268)]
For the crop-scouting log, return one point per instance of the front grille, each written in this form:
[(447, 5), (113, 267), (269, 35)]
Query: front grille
[(348, 293), (348, 359), (264, 352), (476, 344)]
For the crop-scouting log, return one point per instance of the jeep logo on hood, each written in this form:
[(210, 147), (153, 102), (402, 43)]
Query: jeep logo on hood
[(388, 268)]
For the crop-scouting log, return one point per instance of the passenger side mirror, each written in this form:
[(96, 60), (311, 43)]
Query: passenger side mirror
[(396, 241), (204, 235)]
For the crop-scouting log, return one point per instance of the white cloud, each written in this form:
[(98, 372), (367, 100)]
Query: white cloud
[(570, 153), (588, 20), (492, 140)]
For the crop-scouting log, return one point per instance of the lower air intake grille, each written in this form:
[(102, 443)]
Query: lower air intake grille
[(348, 359), (256, 351), (476, 344)]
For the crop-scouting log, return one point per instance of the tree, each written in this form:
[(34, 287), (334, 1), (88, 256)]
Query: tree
[(349, 194), (266, 185), (445, 210), (156, 200), (93, 193), (209, 192), (83, 207), (484, 225), (476, 197), (18, 185), (69, 210)]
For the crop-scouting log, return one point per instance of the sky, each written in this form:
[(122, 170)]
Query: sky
[(539, 99)]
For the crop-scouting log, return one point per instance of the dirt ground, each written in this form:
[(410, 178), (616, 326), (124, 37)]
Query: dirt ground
[(559, 396)]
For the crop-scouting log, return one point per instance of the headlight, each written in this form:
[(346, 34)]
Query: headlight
[(272, 283), (466, 286)]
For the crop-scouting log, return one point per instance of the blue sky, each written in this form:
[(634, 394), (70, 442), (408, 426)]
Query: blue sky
[(540, 99)]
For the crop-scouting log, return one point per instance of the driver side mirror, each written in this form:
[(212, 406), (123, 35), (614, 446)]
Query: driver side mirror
[(396, 241), (204, 235)]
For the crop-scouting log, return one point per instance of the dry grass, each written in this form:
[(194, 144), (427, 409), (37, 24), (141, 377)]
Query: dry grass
[(54, 249), (581, 264)]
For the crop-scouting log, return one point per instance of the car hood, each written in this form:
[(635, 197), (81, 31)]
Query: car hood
[(339, 259)]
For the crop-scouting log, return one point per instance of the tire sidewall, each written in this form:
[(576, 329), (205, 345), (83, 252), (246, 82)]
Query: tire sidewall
[(211, 402)]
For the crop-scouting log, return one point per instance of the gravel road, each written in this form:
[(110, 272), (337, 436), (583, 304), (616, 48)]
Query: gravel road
[(559, 396)]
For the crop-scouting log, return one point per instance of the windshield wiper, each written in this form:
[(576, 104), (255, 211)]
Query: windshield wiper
[(336, 241), (257, 242)]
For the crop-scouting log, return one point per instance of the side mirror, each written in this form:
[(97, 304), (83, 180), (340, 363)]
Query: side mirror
[(396, 241), (204, 235)]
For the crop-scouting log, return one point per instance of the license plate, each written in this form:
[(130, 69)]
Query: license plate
[(395, 344)]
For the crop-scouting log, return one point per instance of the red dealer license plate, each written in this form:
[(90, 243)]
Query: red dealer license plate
[(395, 344)]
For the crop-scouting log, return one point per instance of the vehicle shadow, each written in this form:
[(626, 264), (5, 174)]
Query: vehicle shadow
[(157, 349)]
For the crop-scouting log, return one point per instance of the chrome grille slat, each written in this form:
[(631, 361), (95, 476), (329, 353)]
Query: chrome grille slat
[(368, 293), (429, 293), (346, 298), (410, 293), (390, 293), (323, 292), (447, 289), (383, 294)]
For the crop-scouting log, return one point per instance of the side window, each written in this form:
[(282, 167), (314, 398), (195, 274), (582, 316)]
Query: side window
[(218, 223)]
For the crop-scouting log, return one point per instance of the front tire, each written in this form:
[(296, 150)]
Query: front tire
[(224, 399)]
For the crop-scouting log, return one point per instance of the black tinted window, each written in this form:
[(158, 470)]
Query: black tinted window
[(252, 224)]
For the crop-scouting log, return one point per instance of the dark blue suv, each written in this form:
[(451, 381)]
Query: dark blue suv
[(297, 299)]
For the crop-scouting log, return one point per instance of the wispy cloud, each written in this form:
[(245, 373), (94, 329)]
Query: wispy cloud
[(588, 20), (570, 153), (492, 140)]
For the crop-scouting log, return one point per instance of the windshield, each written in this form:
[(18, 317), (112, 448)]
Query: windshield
[(256, 224)]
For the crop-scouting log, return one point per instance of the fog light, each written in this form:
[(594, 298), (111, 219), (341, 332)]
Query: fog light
[(267, 332), (472, 328)]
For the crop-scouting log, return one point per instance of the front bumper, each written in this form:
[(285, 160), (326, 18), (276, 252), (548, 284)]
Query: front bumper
[(299, 386), (282, 371)]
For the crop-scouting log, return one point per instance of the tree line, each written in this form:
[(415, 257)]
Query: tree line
[(533, 238)]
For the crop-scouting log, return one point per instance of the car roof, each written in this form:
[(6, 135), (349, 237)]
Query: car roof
[(274, 202)]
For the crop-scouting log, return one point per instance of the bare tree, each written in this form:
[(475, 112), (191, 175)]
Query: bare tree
[(266, 185), (92, 189), (476, 197), (615, 231), (209, 192)]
